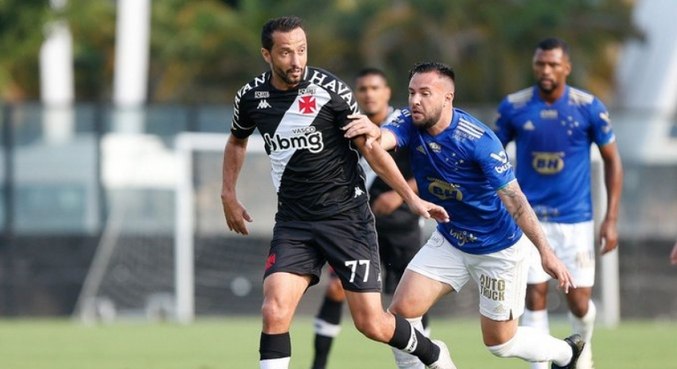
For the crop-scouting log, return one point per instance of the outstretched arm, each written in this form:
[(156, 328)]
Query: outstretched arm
[(613, 180), (235, 212), (384, 166), (516, 202), (361, 125)]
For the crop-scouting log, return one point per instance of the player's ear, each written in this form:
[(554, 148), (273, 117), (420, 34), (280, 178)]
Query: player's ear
[(266, 54)]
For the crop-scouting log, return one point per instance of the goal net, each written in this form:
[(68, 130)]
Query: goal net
[(177, 259)]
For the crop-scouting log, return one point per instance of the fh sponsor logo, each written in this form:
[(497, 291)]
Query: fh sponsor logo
[(548, 162)]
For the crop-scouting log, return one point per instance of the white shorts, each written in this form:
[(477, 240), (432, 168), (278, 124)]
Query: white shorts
[(500, 276), (574, 245)]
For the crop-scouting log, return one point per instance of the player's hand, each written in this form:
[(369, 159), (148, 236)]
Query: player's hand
[(608, 235), (428, 210), (236, 215), (386, 203), (556, 269), (361, 125)]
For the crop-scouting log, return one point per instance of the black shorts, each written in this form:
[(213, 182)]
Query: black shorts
[(348, 243), (397, 248)]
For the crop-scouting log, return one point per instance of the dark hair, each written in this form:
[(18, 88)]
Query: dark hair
[(554, 43), (440, 68), (371, 71), (282, 24)]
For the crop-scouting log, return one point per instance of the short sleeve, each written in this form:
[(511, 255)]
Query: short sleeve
[(502, 126), (494, 161), (401, 126), (602, 132), (242, 126)]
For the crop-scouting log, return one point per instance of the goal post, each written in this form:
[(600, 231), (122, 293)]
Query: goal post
[(186, 145)]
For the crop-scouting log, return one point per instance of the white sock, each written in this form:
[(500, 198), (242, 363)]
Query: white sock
[(584, 326), (537, 319), (532, 345), (281, 363), (324, 328), (405, 360)]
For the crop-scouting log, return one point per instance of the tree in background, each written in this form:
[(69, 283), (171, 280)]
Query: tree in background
[(203, 50)]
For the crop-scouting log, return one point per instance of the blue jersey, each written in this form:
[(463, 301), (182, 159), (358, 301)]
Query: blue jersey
[(461, 169), (553, 149)]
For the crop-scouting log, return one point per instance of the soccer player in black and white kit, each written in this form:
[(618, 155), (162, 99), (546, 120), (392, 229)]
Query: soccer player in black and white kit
[(399, 230), (323, 214)]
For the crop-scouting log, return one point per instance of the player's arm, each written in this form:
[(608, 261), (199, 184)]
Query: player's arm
[(384, 166), (613, 180), (361, 125), (233, 158), (517, 205)]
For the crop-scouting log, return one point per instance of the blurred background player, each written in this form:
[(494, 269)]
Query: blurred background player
[(553, 126), (399, 230)]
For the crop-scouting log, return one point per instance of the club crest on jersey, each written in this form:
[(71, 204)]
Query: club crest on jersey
[(307, 105)]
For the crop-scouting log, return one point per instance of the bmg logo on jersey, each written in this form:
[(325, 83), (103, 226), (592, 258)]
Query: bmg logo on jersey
[(548, 163), (311, 140)]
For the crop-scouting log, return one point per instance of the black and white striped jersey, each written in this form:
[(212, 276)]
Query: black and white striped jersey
[(315, 169)]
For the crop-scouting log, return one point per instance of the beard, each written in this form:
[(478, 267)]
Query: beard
[(430, 121), (287, 76), (547, 88)]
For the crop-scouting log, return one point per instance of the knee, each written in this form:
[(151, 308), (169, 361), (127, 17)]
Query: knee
[(371, 327), (275, 312), (503, 350)]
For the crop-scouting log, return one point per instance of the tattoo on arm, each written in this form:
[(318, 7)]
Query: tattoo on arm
[(517, 199)]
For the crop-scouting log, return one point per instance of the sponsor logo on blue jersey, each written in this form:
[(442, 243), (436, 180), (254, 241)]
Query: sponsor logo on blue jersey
[(548, 163)]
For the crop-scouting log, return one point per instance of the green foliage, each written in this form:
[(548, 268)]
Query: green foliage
[(202, 51)]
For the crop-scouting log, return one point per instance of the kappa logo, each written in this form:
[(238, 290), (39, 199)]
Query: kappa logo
[(307, 105), (358, 192), (263, 104)]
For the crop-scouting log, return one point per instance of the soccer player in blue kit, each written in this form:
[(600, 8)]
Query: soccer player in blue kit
[(553, 126), (459, 163)]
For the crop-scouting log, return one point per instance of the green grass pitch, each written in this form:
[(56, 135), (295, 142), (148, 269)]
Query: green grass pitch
[(232, 343)]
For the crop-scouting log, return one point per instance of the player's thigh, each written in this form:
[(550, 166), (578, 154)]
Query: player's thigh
[(281, 295), (292, 250), (416, 294), (437, 269), (496, 332), (350, 246), (501, 281)]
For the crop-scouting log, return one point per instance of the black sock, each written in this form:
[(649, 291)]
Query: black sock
[(416, 344), (425, 321), (274, 346), (322, 347), (330, 312)]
